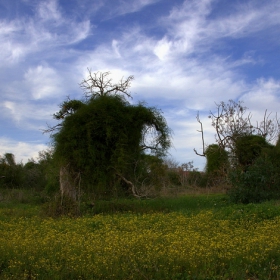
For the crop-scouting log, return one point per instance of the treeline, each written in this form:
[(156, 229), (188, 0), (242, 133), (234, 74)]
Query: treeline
[(37, 175), (104, 146), (42, 174)]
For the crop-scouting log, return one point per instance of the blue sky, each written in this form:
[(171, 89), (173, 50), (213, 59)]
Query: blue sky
[(184, 55)]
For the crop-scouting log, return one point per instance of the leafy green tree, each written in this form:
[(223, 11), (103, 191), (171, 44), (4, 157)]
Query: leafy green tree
[(217, 164), (11, 173), (101, 140), (217, 159), (260, 181), (248, 148)]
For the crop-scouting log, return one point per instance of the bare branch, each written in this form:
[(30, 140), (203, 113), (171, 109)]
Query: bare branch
[(202, 136), (51, 129), (67, 108), (230, 121), (133, 188), (99, 84)]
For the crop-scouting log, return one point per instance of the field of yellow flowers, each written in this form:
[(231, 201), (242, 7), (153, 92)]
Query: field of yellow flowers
[(174, 245)]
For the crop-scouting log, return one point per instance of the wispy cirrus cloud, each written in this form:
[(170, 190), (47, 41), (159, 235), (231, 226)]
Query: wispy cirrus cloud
[(47, 29), (43, 82)]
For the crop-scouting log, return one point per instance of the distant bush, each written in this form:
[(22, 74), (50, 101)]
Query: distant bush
[(260, 182), (248, 148)]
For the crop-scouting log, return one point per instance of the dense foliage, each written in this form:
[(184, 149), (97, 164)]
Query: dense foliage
[(216, 160), (40, 175), (105, 141), (260, 181), (248, 148)]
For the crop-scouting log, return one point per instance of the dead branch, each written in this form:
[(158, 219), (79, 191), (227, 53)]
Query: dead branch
[(133, 188), (269, 128), (99, 84), (202, 137)]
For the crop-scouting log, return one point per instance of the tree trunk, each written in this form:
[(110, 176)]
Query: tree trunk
[(68, 183)]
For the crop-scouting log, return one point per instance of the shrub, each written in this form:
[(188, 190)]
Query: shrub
[(260, 182), (248, 148), (216, 165)]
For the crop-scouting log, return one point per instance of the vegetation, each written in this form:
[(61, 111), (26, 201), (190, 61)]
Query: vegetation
[(107, 152), (103, 143), (248, 148), (245, 158), (217, 163), (190, 237), (106, 146)]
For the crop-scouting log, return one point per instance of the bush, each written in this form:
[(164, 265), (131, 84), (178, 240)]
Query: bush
[(197, 179), (61, 206), (260, 182), (216, 165), (248, 148)]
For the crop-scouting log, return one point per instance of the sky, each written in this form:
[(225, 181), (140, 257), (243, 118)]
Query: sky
[(185, 56)]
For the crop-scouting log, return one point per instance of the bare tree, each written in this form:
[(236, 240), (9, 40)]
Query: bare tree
[(231, 121), (202, 137), (99, 84)]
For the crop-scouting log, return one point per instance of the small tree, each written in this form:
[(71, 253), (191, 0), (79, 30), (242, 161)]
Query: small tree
[(11, 173), (231, 121), (243, 141), (217, 160), (248, 148), (261, 180), (216, 164)]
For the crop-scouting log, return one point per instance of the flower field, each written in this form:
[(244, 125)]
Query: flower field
[(175, 245)]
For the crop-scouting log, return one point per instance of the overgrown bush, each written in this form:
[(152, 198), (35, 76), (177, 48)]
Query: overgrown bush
[(260, 182), (216, 164), (248, 148)]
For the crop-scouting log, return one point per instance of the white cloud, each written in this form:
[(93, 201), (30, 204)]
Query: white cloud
[(46, 31), (178, 70), (43, 82), (12, 110), (28, 116), (191, 30), (162, 48), (127, 7), (264, 95), (116, 48), (49, 10), (22, 150)]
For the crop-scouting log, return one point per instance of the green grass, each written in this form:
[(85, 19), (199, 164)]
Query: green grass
[(187, 204)]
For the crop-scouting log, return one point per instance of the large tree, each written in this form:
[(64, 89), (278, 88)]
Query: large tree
[(101, 140)]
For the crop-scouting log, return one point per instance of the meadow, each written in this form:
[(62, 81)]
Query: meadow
[(188, 237)]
